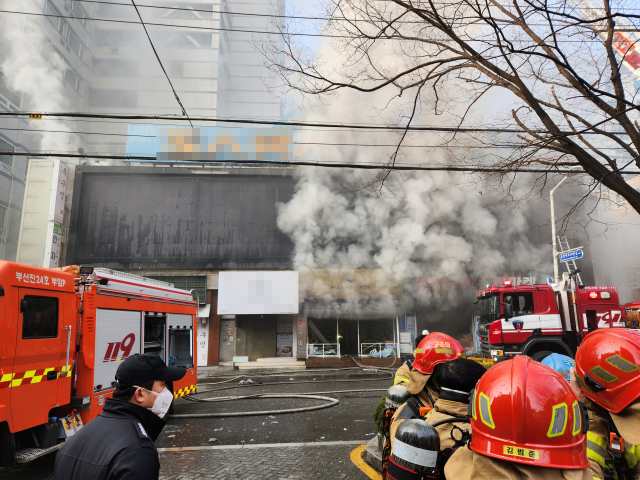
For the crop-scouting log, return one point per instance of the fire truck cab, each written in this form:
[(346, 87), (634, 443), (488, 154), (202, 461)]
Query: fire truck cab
[(62, 337), (537, 320)]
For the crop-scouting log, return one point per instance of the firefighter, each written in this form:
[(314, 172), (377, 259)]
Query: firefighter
[(457, 380), (119, 443), (434, 350), (418, 373), (560, 363), (527, 424), (607, 373), (402, 374)]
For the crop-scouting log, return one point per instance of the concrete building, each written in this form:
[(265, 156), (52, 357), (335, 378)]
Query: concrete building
[(110, 67)]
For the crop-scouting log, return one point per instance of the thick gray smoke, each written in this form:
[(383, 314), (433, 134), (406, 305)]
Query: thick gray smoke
[(31, 74), (424, 224)]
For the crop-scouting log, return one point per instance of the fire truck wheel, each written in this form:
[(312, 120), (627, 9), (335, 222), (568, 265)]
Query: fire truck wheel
[(539, 356), (7, 447)]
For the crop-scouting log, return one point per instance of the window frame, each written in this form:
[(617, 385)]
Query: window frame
[(77, 40), (57, 316), (6, 156), (53, 18), (171, 343)]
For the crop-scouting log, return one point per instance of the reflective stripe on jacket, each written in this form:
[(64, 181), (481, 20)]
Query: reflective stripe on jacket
[(402, 375), (597, 451)]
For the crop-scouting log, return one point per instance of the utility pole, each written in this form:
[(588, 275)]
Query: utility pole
[(556, 277)]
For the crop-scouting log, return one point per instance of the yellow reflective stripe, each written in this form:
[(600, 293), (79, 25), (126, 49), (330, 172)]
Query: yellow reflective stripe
[(447, 351), (398, 380), (7, 377), (577, 418), (559, 416), (29, 374), (630, 455), (596, 449), (485, 411)]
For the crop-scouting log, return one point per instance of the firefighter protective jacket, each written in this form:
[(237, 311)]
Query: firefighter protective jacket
[(442, 410), (416, 383), (600, 458), (466, 464), (117, 444), (404, 412)]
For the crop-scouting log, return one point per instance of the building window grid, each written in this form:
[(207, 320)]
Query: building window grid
[(71, 41), (60, 64)]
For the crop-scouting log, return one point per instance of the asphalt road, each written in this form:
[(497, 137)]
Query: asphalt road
[(350, 420)]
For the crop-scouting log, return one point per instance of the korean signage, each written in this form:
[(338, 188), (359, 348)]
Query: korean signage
[(56, 215), (351, 284), (203, 344), (24, 278)]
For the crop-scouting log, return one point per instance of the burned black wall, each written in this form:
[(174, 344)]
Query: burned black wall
[(170, 218)]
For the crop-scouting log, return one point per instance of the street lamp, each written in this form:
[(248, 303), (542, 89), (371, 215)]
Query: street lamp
[(553, 228)]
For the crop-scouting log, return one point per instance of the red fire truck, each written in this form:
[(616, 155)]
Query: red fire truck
[(538, 320), (62, 338)]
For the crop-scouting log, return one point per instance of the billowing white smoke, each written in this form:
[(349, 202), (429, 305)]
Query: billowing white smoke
[(434, 230), (28, 72), (425, 224)]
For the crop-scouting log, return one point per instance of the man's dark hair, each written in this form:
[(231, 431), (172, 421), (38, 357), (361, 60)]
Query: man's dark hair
[(419, 338), (125, 392), (460, 375)]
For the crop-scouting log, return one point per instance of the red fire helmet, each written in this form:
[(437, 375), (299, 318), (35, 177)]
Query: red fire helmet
[(608, 367), (525, 412), (436, 348)]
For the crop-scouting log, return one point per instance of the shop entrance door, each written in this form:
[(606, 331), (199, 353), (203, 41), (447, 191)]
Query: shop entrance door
[(227, 340)]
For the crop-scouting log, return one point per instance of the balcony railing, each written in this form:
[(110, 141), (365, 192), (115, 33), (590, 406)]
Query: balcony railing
[(323, 350), (376, 349)]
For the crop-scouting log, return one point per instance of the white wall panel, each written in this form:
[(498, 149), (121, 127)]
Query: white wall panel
[(251, 293)]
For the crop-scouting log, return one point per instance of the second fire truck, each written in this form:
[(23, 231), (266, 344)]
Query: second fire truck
[(62, 337), (537, 320)]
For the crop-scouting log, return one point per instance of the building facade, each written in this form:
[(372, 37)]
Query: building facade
[(98, 59)]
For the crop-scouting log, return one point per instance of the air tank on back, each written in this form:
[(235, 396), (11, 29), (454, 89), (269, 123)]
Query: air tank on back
[(415, 448)]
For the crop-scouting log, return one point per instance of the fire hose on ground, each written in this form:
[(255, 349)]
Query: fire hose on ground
[(331, 402)]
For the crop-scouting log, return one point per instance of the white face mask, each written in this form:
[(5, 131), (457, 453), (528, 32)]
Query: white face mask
[(162, 402)]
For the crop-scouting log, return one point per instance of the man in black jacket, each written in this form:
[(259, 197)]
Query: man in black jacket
[(119, 443)]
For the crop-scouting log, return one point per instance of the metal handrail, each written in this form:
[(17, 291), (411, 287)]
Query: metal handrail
[(130, 276), (370, 346), (313, 347)]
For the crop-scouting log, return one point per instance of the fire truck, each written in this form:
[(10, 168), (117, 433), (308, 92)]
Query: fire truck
[(632, 311), (62, 338), (537, 320)]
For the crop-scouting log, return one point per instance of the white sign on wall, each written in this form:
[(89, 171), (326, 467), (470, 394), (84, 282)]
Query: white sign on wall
[(60, 191), (203, 344), (54, 242), (56, 215), (251, 293)]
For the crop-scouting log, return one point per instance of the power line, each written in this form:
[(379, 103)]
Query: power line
[(438, 168), (248, 121), (184, 112), (127, 135), (293, 34), (287, 17)]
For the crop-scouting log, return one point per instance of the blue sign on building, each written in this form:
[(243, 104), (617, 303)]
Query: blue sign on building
[(218, 144), (567, 257)]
